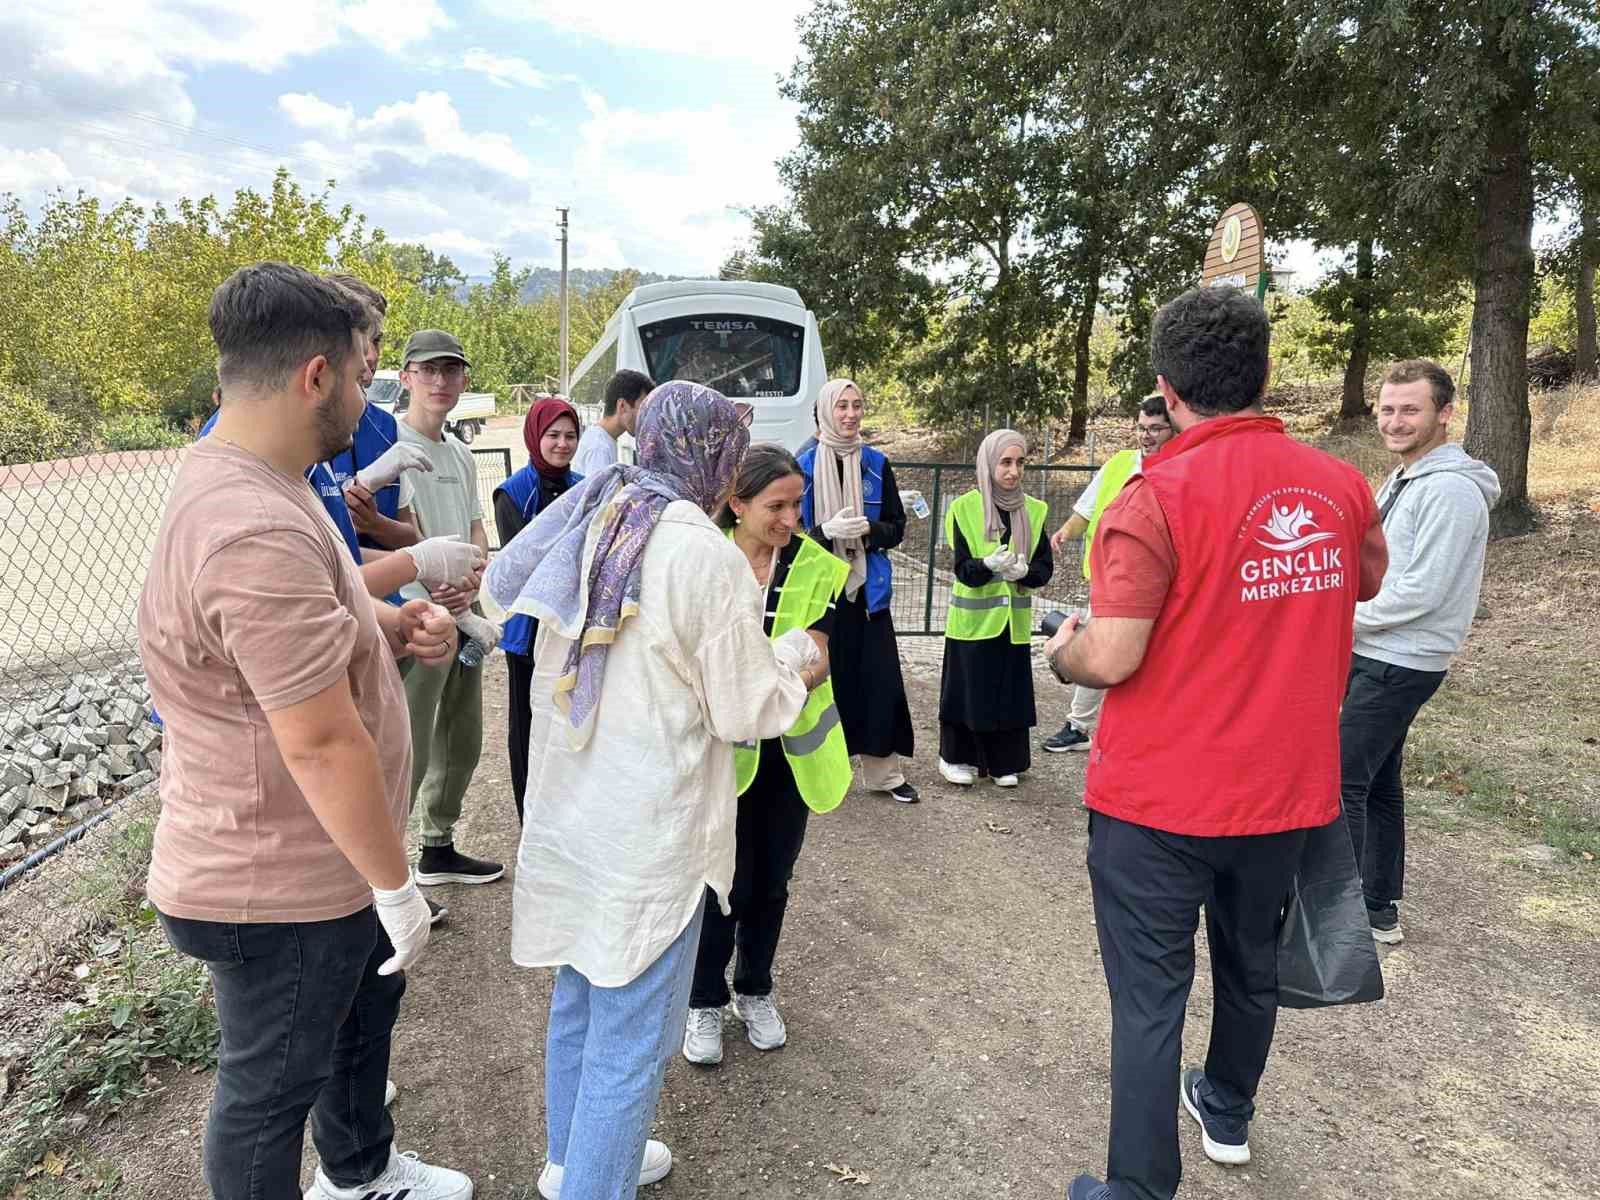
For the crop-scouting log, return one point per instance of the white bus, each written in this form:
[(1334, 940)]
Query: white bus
[(754, 342)]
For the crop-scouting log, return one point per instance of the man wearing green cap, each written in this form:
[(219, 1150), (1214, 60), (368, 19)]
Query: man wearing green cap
[(446, 706)]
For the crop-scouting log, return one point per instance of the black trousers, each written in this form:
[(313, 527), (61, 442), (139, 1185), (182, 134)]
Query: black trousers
[(1148, 888), (306, 1021), (519, 717), (1380, 703), (771, 828)]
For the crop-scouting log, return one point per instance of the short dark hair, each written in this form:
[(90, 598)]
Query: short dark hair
[(1154, 406), (1440, 386), (1211, 344), (763, 465), (369, 296), (269, 318), (632, 386)]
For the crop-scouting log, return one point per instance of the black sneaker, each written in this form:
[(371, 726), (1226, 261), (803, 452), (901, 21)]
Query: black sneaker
[(1225, 1141), (1070, 738), (436, 912), (905, 793), (1087, 1187), (444, 864)]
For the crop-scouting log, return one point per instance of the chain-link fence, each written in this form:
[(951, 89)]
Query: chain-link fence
[(79, 752)]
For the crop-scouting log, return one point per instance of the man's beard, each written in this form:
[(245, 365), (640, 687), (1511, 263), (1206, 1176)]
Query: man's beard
[(334, 437)]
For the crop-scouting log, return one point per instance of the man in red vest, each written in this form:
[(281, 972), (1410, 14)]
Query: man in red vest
[(1223, 583)]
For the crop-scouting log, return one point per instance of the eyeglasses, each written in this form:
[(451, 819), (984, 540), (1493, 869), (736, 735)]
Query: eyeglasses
[(452, 370)]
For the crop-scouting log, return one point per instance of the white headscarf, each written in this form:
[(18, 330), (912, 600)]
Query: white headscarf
[(836, 480)]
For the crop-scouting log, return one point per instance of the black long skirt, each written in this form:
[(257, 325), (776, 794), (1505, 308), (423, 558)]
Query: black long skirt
[(986, 704), (868, 688)]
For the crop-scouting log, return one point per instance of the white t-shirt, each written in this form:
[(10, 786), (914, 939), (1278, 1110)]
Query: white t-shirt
[(597, 450), (445, 500), (622, 835)]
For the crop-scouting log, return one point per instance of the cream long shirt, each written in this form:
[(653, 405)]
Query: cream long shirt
[(622, 836)]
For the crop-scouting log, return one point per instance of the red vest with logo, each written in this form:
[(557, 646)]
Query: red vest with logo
[(1231, 723)]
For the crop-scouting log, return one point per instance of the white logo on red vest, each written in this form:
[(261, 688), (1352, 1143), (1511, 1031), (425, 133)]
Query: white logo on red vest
[(1297, 563)]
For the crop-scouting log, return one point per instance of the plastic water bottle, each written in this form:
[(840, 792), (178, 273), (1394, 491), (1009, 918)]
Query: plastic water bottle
[(917, 504), (471, 653)]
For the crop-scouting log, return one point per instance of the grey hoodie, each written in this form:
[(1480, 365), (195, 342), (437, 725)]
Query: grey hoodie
[(1437, 531)]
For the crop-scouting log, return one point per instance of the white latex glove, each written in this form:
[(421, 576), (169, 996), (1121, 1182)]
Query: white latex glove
[(796, 650), (443, 561), (404, 915), (480, 629), (999, 560), (1014, 570), (391, 464), (846, 525)]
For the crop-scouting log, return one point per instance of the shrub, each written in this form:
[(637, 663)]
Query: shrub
[(140, 431), (31, 432)]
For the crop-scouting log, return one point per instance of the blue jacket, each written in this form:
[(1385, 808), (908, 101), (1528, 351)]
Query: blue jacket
[(328, 491), (880, 576), (377, 432), (523, 489)]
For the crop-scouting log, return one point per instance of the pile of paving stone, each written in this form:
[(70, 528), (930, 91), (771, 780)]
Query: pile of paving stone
[(65, 755)]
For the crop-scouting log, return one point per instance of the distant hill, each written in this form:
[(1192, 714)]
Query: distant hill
[(546, 281)]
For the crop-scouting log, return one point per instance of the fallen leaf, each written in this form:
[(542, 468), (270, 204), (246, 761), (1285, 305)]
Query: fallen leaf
[(53, 1163), (848, 1174)]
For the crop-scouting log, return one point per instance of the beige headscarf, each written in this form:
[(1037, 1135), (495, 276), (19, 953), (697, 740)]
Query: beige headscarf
[(997, 499), (834, 489)]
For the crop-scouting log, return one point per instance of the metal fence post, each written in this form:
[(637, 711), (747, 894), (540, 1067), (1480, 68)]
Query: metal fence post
[(933, 550)]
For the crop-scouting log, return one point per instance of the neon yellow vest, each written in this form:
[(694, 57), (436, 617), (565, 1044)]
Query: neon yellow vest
[(814, 744), (1118, 470), (977, 614)]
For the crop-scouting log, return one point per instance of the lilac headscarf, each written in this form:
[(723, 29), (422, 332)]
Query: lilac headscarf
[(577, 564)]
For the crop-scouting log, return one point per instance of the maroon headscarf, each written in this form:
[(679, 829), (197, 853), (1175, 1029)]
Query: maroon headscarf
[(541, 416)]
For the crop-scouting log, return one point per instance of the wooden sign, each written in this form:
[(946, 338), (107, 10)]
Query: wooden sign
[(1237, 253)]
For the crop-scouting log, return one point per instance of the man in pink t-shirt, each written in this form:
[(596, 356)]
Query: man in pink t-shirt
[(278, 858)]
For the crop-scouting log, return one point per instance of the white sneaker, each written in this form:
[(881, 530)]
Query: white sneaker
[(957, 774), (389, 1092), (761, 1021), (657, 1162), (407, 1176), (702, 1036), (1006, 781)]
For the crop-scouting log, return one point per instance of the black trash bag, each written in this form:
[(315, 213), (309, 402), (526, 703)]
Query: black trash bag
[(1326, 954)]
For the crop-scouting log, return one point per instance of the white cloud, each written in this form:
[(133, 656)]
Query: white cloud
[(505, 70), (24, 171), (312, 112), (394, 25), (762, 31)]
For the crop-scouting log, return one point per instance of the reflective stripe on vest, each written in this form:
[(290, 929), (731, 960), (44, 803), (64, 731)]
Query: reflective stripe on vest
[(1119, 468), (978, 614), (814, 745)]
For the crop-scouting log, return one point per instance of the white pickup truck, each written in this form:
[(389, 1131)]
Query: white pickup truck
[(466, 419)]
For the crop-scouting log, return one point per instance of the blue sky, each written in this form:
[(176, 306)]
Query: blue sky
[(459, 123)]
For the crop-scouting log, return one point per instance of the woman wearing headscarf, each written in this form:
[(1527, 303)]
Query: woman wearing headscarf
[(652, 660), (550, 431), (986, 687), (852, 506), (782, 780)]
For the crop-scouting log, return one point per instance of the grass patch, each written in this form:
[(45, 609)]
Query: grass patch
[(136, 1004)]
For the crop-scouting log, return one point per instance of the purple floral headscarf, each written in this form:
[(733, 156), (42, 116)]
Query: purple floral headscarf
[(577, 564)]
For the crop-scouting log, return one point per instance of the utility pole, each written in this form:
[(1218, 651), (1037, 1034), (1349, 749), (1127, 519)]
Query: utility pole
[(566, 379)]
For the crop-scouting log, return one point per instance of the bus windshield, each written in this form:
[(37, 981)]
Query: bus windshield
[(743, 357)]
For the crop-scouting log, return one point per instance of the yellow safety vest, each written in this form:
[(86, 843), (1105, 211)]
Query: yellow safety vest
[(1119, 468), (977, 614), (814, 744)]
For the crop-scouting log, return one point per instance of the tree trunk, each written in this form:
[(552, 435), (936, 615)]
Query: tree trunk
[(1588, 253), (1078, 429), (1353, 406), (1498, 422)]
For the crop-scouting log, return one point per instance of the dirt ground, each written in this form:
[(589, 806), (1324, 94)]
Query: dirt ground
[(948, 1017)]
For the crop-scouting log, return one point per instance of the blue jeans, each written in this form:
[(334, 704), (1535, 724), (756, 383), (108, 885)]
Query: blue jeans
[(604, 1060), (306, 1022)]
